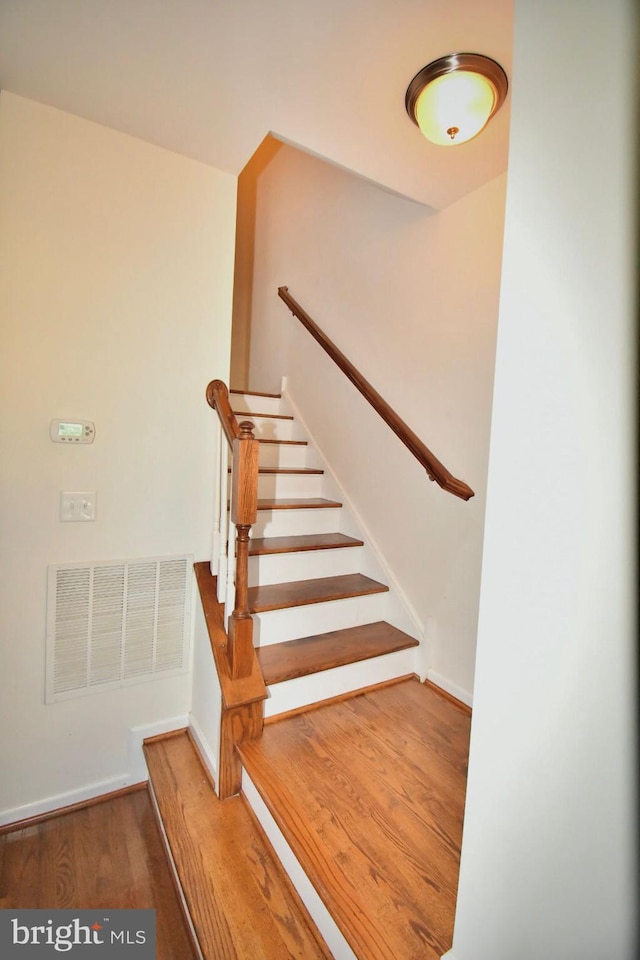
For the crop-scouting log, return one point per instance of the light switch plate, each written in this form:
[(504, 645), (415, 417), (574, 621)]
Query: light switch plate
[(78, 507)]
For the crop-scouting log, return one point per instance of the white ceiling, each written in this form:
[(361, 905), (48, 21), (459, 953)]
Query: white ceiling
[(211, 78)]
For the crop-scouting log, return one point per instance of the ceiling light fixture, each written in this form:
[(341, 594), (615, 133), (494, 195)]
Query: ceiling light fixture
[(453, 98)]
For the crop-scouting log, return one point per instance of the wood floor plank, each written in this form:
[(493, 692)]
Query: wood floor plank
[(426, 723), (398, 796), (276, 596), (376, 832), (378, 759), (241, 904), (302, 657), (109, 855), (372, 806)]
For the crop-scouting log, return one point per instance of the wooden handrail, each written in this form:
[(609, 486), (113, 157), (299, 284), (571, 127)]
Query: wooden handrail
[(435, 469), (218, 399), (244, 513)]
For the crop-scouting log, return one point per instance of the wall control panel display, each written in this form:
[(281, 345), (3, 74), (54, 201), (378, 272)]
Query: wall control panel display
[(72, 431)]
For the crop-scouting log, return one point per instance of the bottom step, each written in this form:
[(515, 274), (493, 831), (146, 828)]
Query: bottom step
[(241, 903)]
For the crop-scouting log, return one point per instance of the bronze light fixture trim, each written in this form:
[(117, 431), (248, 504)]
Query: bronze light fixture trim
[(453, 98)]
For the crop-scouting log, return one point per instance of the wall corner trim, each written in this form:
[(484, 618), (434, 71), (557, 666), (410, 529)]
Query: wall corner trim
[(137, 736)]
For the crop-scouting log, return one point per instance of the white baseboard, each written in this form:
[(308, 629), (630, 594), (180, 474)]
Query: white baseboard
[(87, 792), (206, 753), (137, 773), (451, 688)]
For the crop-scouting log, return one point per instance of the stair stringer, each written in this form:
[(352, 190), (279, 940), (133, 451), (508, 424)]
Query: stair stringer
[(401, 612)]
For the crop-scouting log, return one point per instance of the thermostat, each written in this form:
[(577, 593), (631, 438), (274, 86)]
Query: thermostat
[(72, 431)]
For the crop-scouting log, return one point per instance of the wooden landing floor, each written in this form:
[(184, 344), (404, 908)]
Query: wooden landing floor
[(369, 793), (105, 856)]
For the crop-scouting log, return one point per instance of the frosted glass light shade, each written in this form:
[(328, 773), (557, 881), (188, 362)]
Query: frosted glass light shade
[(455, 107), (452, 99)]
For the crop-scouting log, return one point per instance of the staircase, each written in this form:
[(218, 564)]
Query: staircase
[(325, 621), (344, 840)]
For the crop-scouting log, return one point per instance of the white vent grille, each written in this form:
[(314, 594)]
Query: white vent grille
[(110, 624)]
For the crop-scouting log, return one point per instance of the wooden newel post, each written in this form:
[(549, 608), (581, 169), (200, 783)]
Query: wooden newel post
[(244, 512)]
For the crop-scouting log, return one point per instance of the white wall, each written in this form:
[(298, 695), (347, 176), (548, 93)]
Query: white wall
[(205, 716), (116, 300), (412, 299), (548, 856)]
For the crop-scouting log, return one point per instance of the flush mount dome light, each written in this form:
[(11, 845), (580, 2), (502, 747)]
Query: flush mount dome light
[(453, 98)]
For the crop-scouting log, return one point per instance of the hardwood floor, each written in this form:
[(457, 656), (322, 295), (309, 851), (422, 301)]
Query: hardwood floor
[(109, 855), (369, 793), (242, 903)]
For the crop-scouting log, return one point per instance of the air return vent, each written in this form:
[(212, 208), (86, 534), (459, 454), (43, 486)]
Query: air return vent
[(116, 623)]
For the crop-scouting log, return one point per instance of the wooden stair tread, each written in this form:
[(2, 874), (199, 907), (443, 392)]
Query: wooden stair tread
[(296, 503), (369, 794), (301, 658), (240, 901), (295, 443), (277, 596), (296, 471), (259, 546)]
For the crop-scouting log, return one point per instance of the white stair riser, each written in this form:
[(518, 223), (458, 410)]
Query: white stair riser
[(333, 683), (307, 565), (246, 403), (284, 455), (289, 485), (270, 429), (398, 616), (285, 523), (275, 626), (283, 486)]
